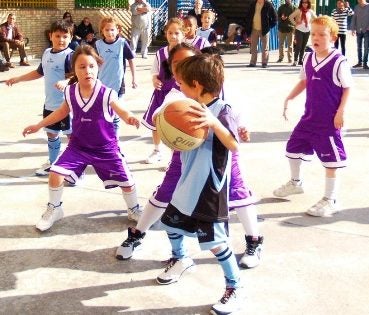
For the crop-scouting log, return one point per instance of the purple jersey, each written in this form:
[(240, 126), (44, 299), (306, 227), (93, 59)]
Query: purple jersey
[(158, 96), (92, 119), (323, 93)]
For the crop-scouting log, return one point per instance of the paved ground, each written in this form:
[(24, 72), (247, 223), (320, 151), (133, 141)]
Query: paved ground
[(309, 265)]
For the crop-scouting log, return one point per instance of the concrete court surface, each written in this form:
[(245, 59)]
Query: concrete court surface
[(309, 265)]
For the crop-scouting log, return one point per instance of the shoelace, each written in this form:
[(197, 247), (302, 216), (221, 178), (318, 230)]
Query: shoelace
[(227, 294), (48, 213), (169, 263), (251, 247)]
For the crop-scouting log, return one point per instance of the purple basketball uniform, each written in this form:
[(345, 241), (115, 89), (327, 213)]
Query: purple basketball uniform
[(93, 141), (158, 96), (198, 42), (315, 132)]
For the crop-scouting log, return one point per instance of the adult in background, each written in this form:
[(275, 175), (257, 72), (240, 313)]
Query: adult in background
[(285, 30), (261, 17), (67, 16), (301, 19), (196, 11), (360, 28), (141, 25), (340, 15), (86, 32), (12, 38)]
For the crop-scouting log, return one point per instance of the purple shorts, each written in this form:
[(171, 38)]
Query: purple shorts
[(329, 148), (109, 165), (239, 194)]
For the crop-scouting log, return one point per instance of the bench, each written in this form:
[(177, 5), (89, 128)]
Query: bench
[(12, 51)]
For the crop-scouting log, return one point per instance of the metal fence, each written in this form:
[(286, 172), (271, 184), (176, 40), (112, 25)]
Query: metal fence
[(37, 4)]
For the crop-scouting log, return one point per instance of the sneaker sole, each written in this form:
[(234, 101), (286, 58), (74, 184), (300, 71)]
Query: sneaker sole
[(284, 196), (135, 249), (328, 215)]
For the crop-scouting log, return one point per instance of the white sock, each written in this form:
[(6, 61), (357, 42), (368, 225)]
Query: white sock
[(149, 216), (295, 167), (130, 198), (249, 220), (55, 195), (157, 147), (330, 188)]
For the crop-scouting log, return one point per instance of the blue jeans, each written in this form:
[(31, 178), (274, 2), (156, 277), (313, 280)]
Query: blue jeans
[(360, 37)]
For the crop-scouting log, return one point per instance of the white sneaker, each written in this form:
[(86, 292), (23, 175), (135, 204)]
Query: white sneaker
[(289, 189), (43, 170), (134, 213), (323, 208), (229, 303), (154, 157), (51, 215), (252, 255), (132, 244), (174, 270)]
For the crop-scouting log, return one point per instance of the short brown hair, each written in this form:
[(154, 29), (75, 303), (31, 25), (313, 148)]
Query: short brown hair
[(206, 69)]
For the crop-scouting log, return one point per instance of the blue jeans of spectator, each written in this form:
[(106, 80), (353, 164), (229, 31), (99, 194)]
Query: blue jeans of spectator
[(360, 38)]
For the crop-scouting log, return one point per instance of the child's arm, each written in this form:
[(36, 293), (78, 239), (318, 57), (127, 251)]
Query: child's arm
[(300, 86), (133, 72), (206, 118), (61, 84), (338, 118), (54, 117), (33, 75), (126, 115)]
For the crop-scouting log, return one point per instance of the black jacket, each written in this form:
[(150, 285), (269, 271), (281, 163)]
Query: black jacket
[(268, 17)]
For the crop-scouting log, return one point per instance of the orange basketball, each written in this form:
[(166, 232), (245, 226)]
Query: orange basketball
[(175, 128)]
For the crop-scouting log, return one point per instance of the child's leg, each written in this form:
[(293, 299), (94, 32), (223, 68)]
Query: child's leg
[(330, 183), (149, 216), (295, 168), (54, 211), (155, 156), (130, 197), (248, 218), (53, 143)]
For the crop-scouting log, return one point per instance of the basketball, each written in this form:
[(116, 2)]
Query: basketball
[(175, 128)]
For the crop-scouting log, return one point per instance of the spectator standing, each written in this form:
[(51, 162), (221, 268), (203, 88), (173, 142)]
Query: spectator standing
[(301, 19), (360, 28), (86, 32), (340, 15), (285, 30), (141, 25), (12, 38), (261, 17), (196, 11)]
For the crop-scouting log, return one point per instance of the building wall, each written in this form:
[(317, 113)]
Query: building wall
[(34, 22)]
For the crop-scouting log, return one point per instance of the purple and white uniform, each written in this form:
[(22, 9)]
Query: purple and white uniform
[(158, 96), (239, 194), (93, 141), (325, 81), (198, 42)]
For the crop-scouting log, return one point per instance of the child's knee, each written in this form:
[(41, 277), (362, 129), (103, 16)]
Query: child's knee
[(128, 189)]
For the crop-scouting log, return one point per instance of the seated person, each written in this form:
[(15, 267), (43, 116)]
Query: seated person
[(67, 16), (12, 38), (86, 32)]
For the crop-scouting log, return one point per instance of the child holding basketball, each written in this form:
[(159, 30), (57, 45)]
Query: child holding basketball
[(201, 210), (54, 66), (206, 31), (190, 25), (162, 81), (326, 76), (94, 141), (241, 198)]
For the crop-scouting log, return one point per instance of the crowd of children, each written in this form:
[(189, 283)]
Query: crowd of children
[(91, 87)]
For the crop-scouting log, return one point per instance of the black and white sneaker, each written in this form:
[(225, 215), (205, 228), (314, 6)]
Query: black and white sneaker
[(131, 244), (174, 270), (229, 303), (252, 255)]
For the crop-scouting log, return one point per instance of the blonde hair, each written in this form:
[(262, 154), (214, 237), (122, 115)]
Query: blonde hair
[(174, 21), (107, 20), (328, 22)]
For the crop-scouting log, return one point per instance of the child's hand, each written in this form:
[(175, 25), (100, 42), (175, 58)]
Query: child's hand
[(11, 81), (338, 120), (61, 85), (133, 121), (157, 83), (30, 129), (243, 134), (205, 116)]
